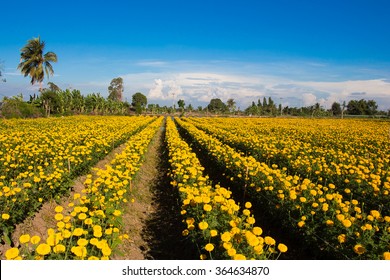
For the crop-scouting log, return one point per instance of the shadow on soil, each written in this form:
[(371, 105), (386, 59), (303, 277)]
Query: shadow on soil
[(163, 228)]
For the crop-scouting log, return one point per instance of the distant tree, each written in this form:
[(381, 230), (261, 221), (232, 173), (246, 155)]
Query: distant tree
[(50, 101), (190, 108), (362, 107), (216, 105), (34, 63), (139, 102), (371, 107), (336, 109), (265, 102), (53, 86), (231, 105), (252, 110), (115, 90), (355, 107), (181, 104), (200, 108)]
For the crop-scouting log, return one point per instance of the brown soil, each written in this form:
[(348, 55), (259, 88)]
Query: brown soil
[(141, 207)]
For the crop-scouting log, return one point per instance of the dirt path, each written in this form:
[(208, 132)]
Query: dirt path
[(153, 221), (141, 206)]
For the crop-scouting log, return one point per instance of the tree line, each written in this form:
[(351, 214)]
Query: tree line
[(52, 100)]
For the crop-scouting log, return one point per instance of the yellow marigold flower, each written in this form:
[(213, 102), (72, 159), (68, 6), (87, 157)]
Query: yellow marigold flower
[(108, 231), (301, 223), (250, 220), (359, 249), (340, 217), (302, 199), (52, 240), (79, 251), (213, 233), (207, 207), (24, 238), (59, 209), (12, 253), (5, 216), (386, 255), (35, 239), (329, 223), (58, 217), (94, 241), (59, 248), (325, 207), (347, 223), (97, 228), (66, 233), (269, 240), (203, 225), (239, 257), (257, 230), (252, 239), (342, 238), (248, 205), (60, 225), (106, 250), (282, 248), (43, 249), (203, 257), (246, 212), (93, 258), (78, 232), (225, 237), (117, 213), (231, 252), (82, 242), (209, 247), (88, 221), (375, 214), (82, 216), (258, 249), (185, 232)]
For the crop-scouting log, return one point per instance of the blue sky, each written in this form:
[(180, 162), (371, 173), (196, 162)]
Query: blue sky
[(297, 52)]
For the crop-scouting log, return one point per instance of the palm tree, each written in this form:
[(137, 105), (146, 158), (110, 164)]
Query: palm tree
[(34, 63)]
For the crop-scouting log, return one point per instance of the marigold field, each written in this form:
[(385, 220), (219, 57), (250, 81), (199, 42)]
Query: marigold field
[(248, 188)]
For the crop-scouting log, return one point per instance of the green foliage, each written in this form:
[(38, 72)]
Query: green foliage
[(362, 107), (217, 106), (139, 100), (181, 104), (15, 107), (115, 90), (336, 109)]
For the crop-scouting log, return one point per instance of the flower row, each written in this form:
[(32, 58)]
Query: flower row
[(90, 227), (222, 228), (356, 159), (340, 226), (39, 158)]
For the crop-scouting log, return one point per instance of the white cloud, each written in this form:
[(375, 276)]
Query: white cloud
[(201, 87), (309, 99)]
